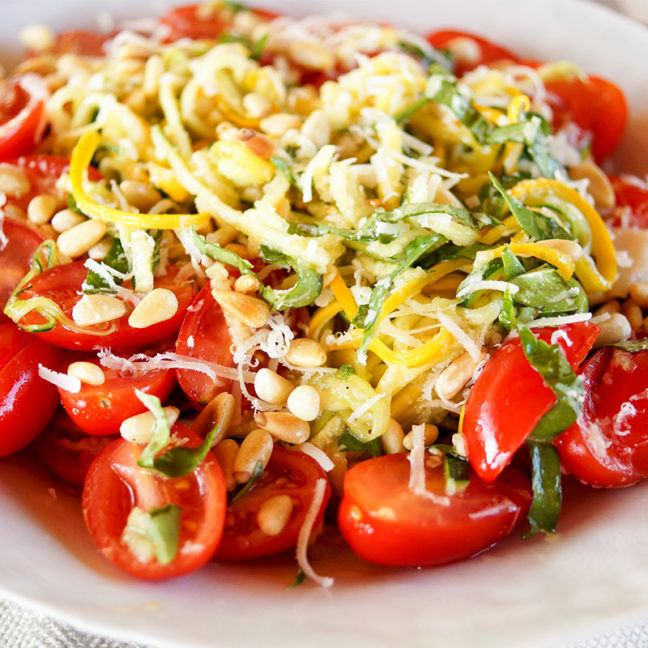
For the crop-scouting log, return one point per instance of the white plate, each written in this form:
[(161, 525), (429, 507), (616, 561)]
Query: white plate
[(537, 593)]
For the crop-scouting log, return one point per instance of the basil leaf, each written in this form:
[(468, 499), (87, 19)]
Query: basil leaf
[(161, 431), (457, 473), (345, 371), (216, 252), (547, 488), (545, 290), (115, 259), (164, 532), (429, 58), (507, 313), (300, 578), (235, 7), (256, 475), (524, 132), (283, 166), (405, 114), (538, 226), (307, 289), (349, 443), (631, 346), (322, 229), (511, 265), (474, 220)]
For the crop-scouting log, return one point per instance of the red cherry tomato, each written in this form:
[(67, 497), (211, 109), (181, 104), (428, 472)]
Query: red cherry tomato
[(116, 484), (204, 335), (486, 52), (386, 523), (631, 202), (81, 42), (509, 398), (288, 472), (67, 450), (608, 445), (62, 284), (193, 22), (16, 254), (597, 106), (100, 409), (21, 123), (27, 402)]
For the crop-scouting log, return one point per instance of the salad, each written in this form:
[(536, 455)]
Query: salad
[(264, 274)]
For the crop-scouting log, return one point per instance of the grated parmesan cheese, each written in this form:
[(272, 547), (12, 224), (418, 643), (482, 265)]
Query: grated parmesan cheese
[(61, 380)]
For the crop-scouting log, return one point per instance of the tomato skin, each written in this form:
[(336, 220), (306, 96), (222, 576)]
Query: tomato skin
[(63, 283), (608, 445), (596, 105), (27, 402), (631, 202), (242, 538), (67, 450), (204, 335), (386, 523), (100, 409), (509, 398), (489, 52), (81, 42), (115, 484), (20, 121)]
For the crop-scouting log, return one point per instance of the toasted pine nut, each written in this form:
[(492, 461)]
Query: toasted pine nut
[(283, 426), (225, 453), (219, 411), (639, 293), (613, 306), (304, 402), (614, 329), (256, 105), (633, 313), (97, 309), (41, 208), (13, 182), (274, 514), (250, 310), (159, 305), (257, 446), (455, 376), (599, 187), (430, 435), (87, 372), (98, 252), (36, 37), (311, 55), (246, 284), (279, 124), (140, 194), (392, 439), (573, 249), (139, 428), (66, 219), (271, 387), (239, 249), (304, 352), (76, 241)]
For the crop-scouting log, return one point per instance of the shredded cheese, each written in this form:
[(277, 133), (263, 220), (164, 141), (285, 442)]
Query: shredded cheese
[(61, 380)]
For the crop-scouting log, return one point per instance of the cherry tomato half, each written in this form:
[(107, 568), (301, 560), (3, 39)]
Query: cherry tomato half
[(81, 42), (608, 445), (20, 120), (509, 397), (100, 409), (385, 522), (62, 284), (27, 402), (288, 472), (116, 484), (631, 202), (204, 335)]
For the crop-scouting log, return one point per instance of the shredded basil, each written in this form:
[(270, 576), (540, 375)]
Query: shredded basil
[(216, 252), (507, 317), (546, 291), (283, 166), (345, 371), (547, 488), (117, 260), (164, 532), (300, 578), (631, 346), (511, 265), (350, 443)]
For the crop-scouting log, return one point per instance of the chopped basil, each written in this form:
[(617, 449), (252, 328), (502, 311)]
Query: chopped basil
[(216, 252), (507, 313), (164, 532), (511, 265), (406, 113), (345, 371), (428, 58), (631, 346), (347, 442), (284, 166), (474, 220), (300, 578), (546, 291), (117, 260), (547, 488), (256, 475), (72, 204)]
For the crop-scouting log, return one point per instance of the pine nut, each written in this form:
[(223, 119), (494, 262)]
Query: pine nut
[(279, 124), (256, 105), (13, 182), (453, 378), (633, 314), (98, 252), (225, 453), (76, 241), (573, 249), (615, 328), (139, 428), (639, 293), (239, 249), (140, 194), (304, 402), (41, 208), (158, 306), (87, 372), (37, 37), (304, 352), (392, 438), (219, 411), (97, 309), (274, 514), (257, 446), (430, 435), (599, 185), (284, 426), (271, 387), (246, 284), (66, 219), (15, 212), (250, 310), (311, 55), (613, 306)]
